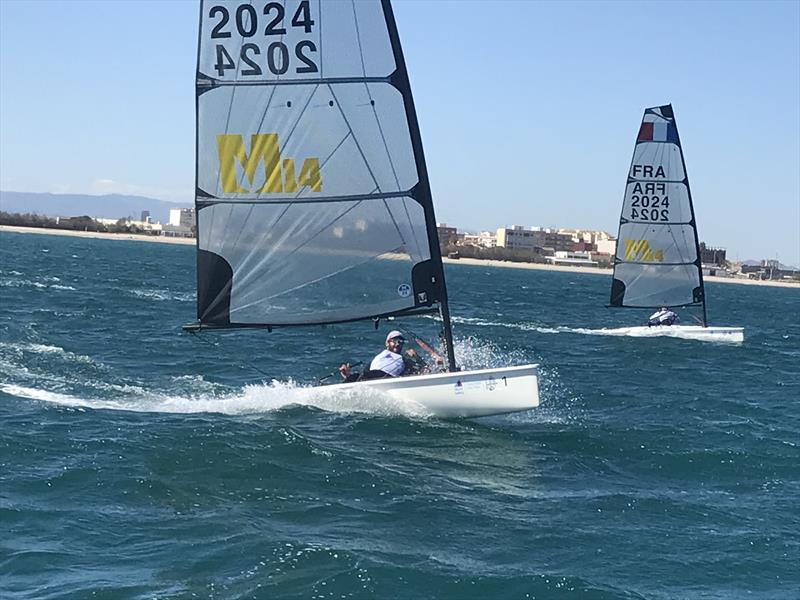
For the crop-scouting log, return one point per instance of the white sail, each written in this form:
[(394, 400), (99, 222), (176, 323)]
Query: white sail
[(313, 201), (313, 204), (657, 260)]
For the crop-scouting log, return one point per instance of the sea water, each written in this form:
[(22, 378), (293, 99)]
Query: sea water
[(139, 461)]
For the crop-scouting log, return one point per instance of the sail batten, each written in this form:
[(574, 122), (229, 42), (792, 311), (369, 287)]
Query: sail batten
[(657, 260), (313, 204)]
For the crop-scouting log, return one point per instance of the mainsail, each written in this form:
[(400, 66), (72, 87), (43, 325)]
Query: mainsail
[(657, 260), (312, 197)]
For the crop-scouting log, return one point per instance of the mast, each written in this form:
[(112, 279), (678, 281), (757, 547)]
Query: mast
[(422, 192), (693, 221)]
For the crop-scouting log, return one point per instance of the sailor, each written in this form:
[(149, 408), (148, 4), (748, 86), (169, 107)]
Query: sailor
[(390, 362), (663, 316)]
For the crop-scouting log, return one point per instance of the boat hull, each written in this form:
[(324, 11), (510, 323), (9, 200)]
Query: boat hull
[(462, 394), (733, 335)]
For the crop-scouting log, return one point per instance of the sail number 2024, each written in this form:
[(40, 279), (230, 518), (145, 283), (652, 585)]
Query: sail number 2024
[(274, 56), (649, 202)]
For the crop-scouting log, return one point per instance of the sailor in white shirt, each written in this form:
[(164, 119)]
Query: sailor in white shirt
[(390, 360), (664, 316)]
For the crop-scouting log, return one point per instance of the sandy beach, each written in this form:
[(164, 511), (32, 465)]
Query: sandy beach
[(133, 237), (460, 261)]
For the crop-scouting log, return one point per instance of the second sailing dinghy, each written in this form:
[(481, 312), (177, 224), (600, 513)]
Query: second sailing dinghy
[(657, 261), (312, 195)]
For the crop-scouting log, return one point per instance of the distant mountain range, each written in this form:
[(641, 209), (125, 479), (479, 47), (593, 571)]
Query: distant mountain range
[(110, 206)]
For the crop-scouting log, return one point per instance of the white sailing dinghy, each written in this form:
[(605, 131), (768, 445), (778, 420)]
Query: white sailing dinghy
[(312, 196), (657, 262)]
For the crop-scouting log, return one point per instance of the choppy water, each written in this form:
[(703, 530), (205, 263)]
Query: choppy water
[(137, 461)]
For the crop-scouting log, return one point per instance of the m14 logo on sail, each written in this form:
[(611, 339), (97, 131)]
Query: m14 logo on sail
[(240, 32), (649, 200), (279, 172), (640, 250)]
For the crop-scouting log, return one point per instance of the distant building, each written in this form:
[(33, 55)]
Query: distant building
[(145, 216), (181, 217), (770, 269), (484, 239), (574, 259), (536, 237), (712, 256), (146, 226), (606, 246), (447, 235), (518, 237)]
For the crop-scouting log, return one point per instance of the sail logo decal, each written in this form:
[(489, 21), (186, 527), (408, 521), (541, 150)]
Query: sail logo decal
[(279, 172), (640, 250)]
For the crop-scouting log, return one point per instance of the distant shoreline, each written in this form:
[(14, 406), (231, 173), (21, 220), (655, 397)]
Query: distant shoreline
[(133, 237), (455, 261)]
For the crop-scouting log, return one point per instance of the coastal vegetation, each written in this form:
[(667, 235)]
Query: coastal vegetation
[(79, 223)]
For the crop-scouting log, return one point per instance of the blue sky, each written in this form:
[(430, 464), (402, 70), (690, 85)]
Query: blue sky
[(528, 110)]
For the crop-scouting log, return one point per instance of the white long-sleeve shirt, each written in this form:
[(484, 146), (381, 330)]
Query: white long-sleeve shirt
[(663, 316), (389, 362)]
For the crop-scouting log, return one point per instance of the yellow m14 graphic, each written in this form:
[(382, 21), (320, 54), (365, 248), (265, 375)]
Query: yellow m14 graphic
[(264, 149), (641, 250)]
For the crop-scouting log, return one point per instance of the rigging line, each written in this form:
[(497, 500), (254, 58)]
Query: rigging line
[(290, 204), (383, 137), (366, 164), (665, 157), (268, 231), (355, 139), (322, 229), (245, 278), (197, 335), (323, 277), (396, 178), (228, 121), (260, 126)]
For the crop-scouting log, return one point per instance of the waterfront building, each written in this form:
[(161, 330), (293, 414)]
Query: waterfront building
[(573, 259), (181, 217)]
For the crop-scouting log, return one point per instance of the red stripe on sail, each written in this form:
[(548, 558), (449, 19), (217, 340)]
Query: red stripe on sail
[(645, 132)]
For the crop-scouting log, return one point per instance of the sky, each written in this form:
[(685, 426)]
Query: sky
[(528, 110)]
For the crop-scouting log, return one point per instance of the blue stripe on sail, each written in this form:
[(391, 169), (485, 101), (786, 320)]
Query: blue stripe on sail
[(672, 133)]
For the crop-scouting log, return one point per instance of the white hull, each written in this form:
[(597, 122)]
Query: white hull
[(461, 394), (732, 335)]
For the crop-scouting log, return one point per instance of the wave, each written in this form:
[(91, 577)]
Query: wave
[(47, 284), (695, 333), (161, 295), (35, 348), (253, 399), (49, 373)]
